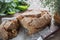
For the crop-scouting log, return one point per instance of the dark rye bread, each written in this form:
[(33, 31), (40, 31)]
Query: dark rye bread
[(10, 28), (35, 20)]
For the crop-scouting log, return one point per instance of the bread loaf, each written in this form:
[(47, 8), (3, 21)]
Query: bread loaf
[(34, 21), (9, 28), (3, 33)]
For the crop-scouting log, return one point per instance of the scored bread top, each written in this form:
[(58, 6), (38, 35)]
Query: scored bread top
[(32, 14)]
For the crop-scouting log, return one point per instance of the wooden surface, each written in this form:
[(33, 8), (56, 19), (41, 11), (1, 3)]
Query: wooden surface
[(55, 36)]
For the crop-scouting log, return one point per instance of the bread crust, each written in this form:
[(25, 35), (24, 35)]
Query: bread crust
[(10, 29), (34, 22)]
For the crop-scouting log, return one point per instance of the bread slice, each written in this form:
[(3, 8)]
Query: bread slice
[(35, 20)]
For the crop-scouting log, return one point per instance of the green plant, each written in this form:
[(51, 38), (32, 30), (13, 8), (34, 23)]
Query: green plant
[(52, 3), (57, 6), (10, 6)]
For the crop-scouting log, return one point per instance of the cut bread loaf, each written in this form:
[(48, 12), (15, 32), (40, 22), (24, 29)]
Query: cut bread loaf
[(35, 20)]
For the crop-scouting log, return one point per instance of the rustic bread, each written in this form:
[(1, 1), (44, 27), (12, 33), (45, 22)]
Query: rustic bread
[(57, 18), (10, 28), (3, 33), (34, 21)]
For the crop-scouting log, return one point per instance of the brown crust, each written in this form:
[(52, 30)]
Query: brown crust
[(3, 33), (35, 21), (11, 27), (57, 18)]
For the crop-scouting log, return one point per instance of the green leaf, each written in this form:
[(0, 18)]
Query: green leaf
[(9, 6), (15, 0), (3, 7), (22, 8), (13, 4), (11, 13)]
